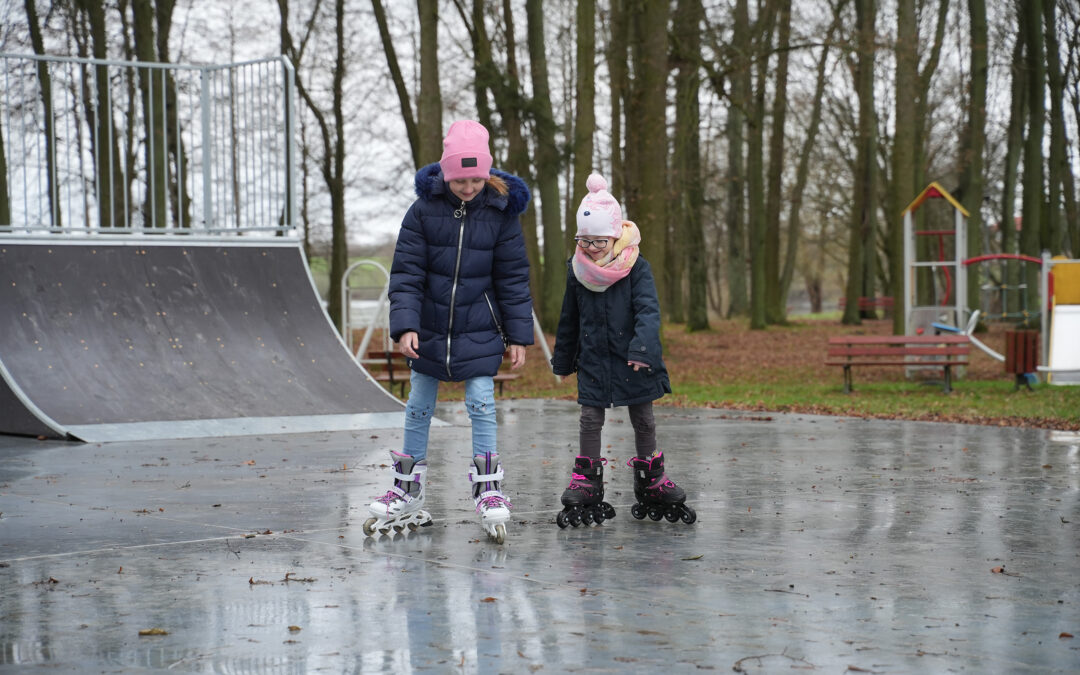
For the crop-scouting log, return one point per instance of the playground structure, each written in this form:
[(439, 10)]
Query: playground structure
[(152, 281), (935, 291)]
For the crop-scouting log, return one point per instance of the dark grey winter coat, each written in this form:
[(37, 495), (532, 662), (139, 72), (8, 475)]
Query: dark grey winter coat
[(599, 332), (459, 274)]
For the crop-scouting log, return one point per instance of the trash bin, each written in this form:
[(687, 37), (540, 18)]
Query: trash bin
[(1022, 355)]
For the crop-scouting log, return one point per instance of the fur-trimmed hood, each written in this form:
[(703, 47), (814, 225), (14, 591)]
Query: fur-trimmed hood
[(429, 185)]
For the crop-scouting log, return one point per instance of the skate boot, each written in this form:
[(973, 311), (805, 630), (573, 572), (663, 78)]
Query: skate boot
[(486, 474), (583, 500), (403, 504), (657, 496)]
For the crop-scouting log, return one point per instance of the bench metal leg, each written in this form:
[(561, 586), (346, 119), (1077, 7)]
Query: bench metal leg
[(947, 386), (847, 379)]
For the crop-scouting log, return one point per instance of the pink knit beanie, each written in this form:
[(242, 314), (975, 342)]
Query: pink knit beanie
[(599, 214), (465, 151)]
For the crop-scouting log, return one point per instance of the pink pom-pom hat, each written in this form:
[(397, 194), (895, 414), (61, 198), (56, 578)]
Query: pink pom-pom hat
[(599, 215)]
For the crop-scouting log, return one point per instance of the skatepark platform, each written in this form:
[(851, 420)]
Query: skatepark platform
[(823, 544), (141, 337)]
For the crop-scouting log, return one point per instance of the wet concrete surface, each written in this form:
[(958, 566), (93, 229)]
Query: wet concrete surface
[(822, 544)]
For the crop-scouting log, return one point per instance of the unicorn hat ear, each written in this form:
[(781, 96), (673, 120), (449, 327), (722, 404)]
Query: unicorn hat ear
[(599, 214)]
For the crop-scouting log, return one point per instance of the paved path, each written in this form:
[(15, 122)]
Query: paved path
[(822, 544)]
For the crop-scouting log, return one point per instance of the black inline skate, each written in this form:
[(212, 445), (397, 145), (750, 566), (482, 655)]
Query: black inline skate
[(657, 495), (583, 500)]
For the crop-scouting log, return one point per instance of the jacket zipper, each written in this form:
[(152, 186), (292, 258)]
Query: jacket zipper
[(458, 213), (498, 326)]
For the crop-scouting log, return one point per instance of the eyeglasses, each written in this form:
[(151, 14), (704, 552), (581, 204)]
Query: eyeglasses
[(600, 244)]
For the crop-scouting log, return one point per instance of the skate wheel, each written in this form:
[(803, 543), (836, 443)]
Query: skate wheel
[(609, 511), (561, 521), (688, 515), (369, 530), (672, 515), (574, 517), (412, 527), (598, 515), (500, 533), (655, 513), (637, 511), (587, 517), (399, 528)]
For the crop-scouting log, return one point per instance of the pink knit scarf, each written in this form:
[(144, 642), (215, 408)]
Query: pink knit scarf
[(598, 275)]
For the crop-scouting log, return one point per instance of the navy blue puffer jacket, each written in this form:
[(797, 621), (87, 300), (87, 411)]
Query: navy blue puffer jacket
[(599, 332), (459, 273)]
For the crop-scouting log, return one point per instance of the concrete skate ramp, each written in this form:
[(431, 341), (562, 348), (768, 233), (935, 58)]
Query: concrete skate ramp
[(131, 339)]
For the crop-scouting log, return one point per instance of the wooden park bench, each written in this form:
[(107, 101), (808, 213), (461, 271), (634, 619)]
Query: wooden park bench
[(392, 369), (937, 351)]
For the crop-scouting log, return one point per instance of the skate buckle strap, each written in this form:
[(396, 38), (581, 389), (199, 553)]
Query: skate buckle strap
[(413, 477), (484, 478)]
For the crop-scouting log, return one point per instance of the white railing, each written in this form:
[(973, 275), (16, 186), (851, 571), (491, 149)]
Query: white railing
[(98, 146)]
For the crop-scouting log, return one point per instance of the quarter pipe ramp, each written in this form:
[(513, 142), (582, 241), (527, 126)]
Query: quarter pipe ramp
[(144, 338)]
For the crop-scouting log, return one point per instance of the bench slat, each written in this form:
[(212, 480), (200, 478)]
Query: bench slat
[(898, 351), (897, 363)]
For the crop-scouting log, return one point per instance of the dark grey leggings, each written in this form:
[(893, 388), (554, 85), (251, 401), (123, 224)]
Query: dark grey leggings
[(641, 417)]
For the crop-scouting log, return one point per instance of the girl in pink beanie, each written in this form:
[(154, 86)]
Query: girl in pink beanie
[(609, 334), (459, 298)]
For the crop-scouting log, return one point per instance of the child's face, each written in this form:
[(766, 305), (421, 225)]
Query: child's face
[(595, 247), (466, 188)]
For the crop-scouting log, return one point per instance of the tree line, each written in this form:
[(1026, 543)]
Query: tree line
[(754, 144)]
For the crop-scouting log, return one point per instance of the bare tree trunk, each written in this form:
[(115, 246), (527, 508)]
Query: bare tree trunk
[(1013, 150), (332, 164), (648, 189), (585, 114), (404, 100), (863, 212), (775, 312), (972, 146), (619, 85), (802, 172), (1060, 171), (735, 215), (429, 105), (755, 166), (1031, 238), (547, 169), (903, 186), (108, 164), (152, 90), (45, 81), (688, 188), (178, 190)]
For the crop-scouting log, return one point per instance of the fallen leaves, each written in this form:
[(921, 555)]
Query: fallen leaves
[(152, 631), (303, 580)]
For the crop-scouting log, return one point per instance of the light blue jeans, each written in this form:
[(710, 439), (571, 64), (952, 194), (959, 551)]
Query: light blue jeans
[(479, 403)]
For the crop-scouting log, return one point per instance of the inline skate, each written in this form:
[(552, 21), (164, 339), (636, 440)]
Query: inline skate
[(486, 474), (583, 500), (657, 495), (403, 504)]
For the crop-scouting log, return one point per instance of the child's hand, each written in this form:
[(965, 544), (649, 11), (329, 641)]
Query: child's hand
[(517, 356), (408, 343), (637, 365)]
